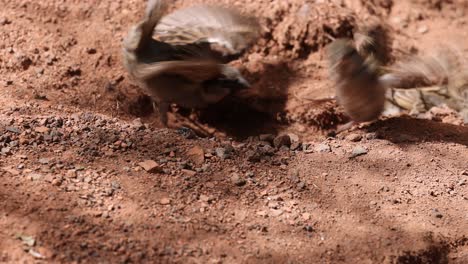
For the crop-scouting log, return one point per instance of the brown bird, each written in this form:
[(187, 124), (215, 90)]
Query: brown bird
[(373, 40), (181, 58), (422, 82), (358, 88)]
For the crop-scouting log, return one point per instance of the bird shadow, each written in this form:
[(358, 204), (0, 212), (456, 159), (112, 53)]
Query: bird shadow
[(407, 131), (257, 110)]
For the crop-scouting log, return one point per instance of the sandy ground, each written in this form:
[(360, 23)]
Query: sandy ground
[(88, 175)]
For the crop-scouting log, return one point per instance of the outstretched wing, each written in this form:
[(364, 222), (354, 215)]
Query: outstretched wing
[(196, 71), (226, 31)]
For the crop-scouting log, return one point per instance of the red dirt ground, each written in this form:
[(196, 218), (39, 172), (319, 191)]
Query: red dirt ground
[(75, 130)]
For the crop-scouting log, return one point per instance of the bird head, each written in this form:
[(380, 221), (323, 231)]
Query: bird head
[(343, 58), (233, 77)]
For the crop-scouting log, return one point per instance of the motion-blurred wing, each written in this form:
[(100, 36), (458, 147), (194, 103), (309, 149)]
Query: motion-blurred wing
[(224, 30)]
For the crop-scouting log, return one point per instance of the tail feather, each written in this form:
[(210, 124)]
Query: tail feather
[(142, 33)]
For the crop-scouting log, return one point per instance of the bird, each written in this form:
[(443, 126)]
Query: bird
[(182, 57), (421, 82), (359, 90), (373, 39)]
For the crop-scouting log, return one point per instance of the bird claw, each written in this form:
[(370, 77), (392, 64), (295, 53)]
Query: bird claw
[(346, 127)]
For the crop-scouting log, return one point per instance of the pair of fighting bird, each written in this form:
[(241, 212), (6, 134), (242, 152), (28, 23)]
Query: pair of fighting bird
[(182, 58)]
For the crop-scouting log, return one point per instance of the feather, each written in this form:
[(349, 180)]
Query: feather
[(228, 31)]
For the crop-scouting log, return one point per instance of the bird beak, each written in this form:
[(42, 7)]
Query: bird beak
[(243, 82)]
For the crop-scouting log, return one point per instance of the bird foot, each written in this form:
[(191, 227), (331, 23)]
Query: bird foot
[(346, 127)]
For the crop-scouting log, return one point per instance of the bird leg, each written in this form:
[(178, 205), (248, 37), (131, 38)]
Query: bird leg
[(163, 108), (346, 126)]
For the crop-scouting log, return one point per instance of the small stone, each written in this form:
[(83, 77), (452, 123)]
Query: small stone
[(371, 136), (436, 213), (276, 212), (13, 130), (262, 213), (222, 153), (359, 151), (196, 155), (6, 151), (205, 198), (294, 138), (306, 216), (237, 180), (44, 161), (354, 137), (35, 176), (267, 138), (91, 50), (71, 174), (464, 173), (423, 29), (98, 214), (322, 148), (27, 240), (42, 129), (138, 124), (4, 21), (189, 173), (187, 133), (282, 141), (150, 166), (11, 171), (165, 201), (56, 182)]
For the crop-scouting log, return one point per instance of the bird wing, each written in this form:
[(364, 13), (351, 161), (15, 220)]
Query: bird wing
[(196, 71), (225, 30), (375, 39)]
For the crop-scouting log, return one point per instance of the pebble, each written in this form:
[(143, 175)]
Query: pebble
[(56, 182), (11, 171), (35, 176), (165, 201), (262, 213), (371, 136), (436, 213), (44, 161), (276, 212), (237, 180), (4, 21), (6, 151), (187, 133), (196, 155), (42, 129), (91, 50), (189, 173), (222, 153), (322, 148), (150, 166), (462, 182), (423, 29), (359, 151), (13, 130), (282, 141), (354, 137), (267, 138)]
